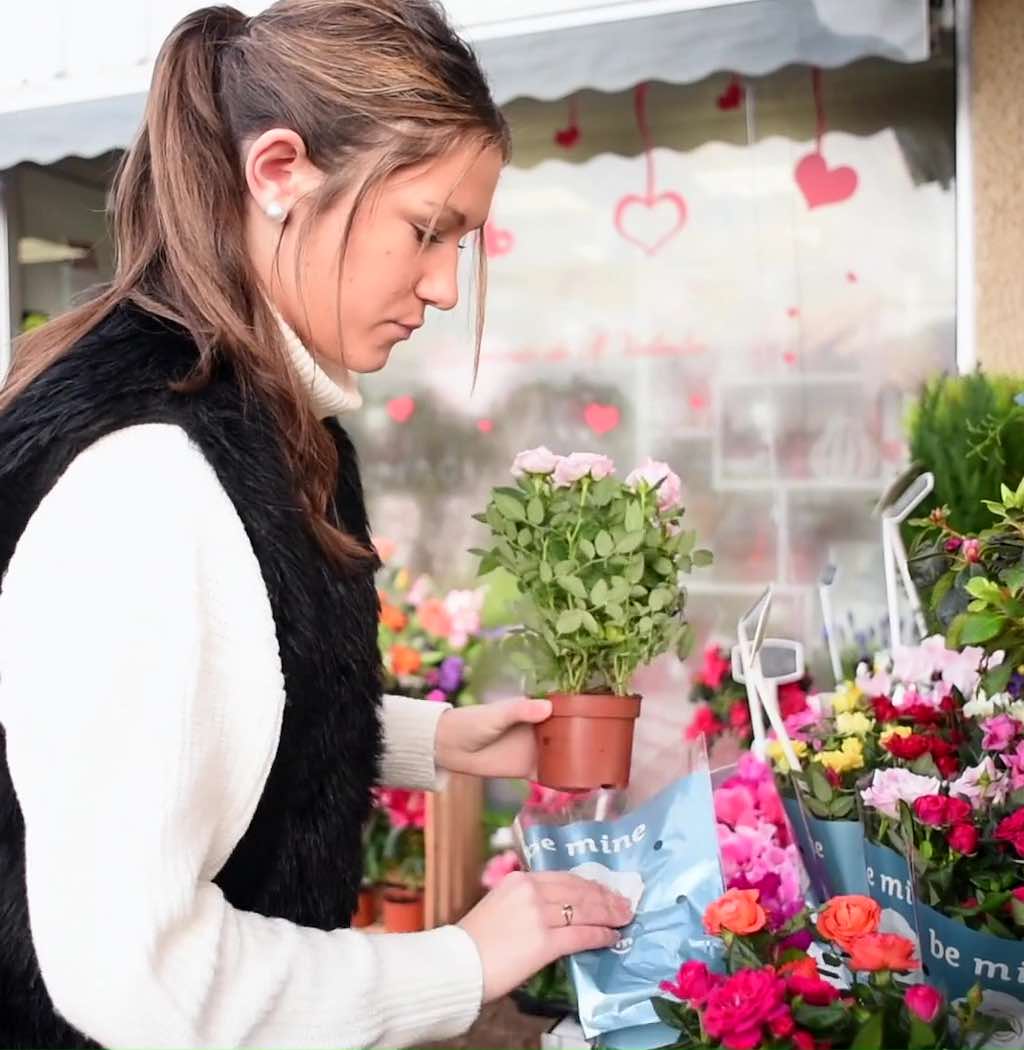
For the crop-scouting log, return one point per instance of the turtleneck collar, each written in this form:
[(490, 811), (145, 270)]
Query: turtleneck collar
[(332, 387)]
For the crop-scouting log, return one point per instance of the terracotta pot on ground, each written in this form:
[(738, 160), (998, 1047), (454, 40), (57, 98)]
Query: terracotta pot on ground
[(366, 912), (587, 742), (403, 910)]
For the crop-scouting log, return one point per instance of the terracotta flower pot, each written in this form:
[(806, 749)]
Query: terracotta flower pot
[(403, 911), (366, 912), (587, 742)]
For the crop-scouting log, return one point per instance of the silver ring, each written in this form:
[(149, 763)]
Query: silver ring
[(567, 913)]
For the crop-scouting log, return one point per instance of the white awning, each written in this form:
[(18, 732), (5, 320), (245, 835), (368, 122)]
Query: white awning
[(71, 86)]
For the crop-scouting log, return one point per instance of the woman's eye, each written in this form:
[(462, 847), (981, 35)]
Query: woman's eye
[(425, 236)]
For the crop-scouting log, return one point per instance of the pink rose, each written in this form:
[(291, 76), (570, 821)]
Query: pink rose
[(999, 732), (890, 787), (498, 867), (540, 460), (738, 1010), (693, 984), (964, 839), (670, 492), (923, 1002), (578, 465)]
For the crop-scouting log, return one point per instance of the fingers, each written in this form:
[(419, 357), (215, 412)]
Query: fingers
[(513, 712), (592, 903), (572, 939)]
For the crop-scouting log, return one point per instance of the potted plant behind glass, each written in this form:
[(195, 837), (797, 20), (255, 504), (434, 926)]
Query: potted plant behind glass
[(403, 859), (598, 563)]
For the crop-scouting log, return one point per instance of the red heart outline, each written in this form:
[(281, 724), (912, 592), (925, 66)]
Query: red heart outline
[(648, 201), (823, 185), (401, 409), (601, 418)]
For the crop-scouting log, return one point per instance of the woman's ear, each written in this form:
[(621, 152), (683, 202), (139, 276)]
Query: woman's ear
[(278, 172)]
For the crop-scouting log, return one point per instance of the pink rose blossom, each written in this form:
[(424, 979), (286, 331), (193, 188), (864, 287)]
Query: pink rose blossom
[(578, 465), (999, 732), (923, 1002), (498, 867), (1014, 762), (540, 460), (981, 784), (670, 492), (889, 787), (464, 609)]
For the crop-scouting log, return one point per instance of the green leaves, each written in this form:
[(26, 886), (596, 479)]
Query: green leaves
[(869, 1035), (702, 558), (981, 627), (569, 621), (629, 542), (509, 507), (535, 511), (634, 517), (603, 544), (599, 595)]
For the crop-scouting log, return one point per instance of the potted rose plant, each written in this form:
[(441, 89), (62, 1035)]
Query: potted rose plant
[(598, 561), (404, 859), (375, 835)]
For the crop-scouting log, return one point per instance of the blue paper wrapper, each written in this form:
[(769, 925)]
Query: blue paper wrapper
[(889, 880), (832, 851), (956, 957), (662, 854)]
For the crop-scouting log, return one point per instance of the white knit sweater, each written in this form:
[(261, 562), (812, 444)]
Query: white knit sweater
[(141, 693)]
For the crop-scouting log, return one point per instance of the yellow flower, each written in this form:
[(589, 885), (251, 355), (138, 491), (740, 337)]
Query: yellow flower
[(846, 698), (778, 756), (854, 723), (845, 759), (888, 734)]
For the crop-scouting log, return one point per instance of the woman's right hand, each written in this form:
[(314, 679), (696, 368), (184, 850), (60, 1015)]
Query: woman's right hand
[(519, 927)]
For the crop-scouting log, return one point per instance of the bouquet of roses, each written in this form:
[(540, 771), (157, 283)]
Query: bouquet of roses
[(773, 995), (429, 642), (757, 847)]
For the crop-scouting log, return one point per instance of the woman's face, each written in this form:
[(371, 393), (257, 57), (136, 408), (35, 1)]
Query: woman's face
[(357, 312)]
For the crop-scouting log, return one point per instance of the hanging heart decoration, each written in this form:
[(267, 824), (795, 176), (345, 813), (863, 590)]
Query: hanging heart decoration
[(650, 219), (820, 184), (732, 96), (485, 426), (497, 241), (401, 409), (602, 419), (568, 136)]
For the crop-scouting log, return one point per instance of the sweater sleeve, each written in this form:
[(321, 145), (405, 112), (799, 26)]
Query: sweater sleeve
[(128, 774), (410, 730)]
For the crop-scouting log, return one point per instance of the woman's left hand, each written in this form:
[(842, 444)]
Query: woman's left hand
[(491, 740)]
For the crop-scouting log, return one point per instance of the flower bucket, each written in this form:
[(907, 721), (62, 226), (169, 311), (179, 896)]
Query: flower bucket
[(889, 882), (403, 911), (366, 911), (832, 851), (587, 742)]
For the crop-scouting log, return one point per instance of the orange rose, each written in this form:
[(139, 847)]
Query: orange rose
[(434, 617), (883, 951), (392, 617), (844, 919), (404, 660), (736, 911)]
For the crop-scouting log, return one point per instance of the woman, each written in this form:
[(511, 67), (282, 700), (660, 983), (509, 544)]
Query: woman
[(188, 664)]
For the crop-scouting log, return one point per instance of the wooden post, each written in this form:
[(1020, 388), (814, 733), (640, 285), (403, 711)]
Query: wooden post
[(454, 848)]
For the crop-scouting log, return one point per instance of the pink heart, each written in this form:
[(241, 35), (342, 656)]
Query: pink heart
[(851, 277), (793, 311), (821, 184), (485, 426), (401, 409), (497, 241), (698, 402), (567, 137), (601, 418), (789, 357), (662, 216)]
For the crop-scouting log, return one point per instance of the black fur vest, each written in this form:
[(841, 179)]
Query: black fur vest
[(300, 858)]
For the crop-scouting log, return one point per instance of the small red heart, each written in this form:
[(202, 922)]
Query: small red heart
[(601, 418), (401, 409), (821, 184), (793, 311), (567, 137), (789, 357), (851, 277), (732, 96), (485, 426), (698, 402), (497, 241)]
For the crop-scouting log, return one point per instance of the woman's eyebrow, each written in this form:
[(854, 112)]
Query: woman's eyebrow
[(447, 211)]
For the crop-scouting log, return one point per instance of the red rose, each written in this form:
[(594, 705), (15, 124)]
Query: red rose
[(884, 711), (704, 723), (833, 777), (1018, 893), (782, 1025), (693, 984), (949, 767), (932, 810), (739, 1008), (922, 714), (958, 811), (813, 990), (802, 1040), (939, 747), (1011, 829), (923, 1001), (963, 838), (792, 699), (908, 748), (739, 715)]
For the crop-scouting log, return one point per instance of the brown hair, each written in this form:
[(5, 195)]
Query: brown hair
[(353, 78)]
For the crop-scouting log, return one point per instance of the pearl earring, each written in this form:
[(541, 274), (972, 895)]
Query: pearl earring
[(275, 212)]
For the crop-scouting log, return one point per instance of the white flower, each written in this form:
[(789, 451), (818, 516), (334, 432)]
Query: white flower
[(889, 787), (981, 783), (984, 706), (539, 460), (670, 492), (578, 465)]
